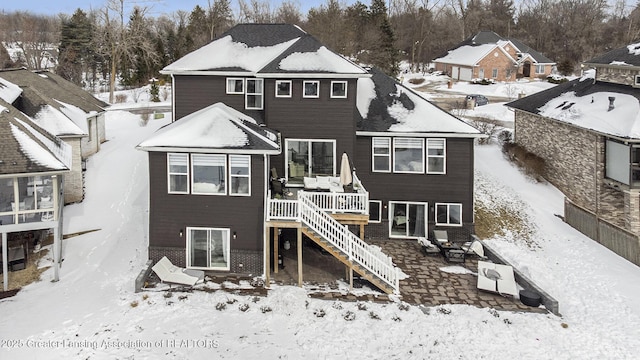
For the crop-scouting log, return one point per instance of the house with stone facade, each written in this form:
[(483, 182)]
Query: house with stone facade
[(267, 106), (487, 55), (588, 132), (64, 110)]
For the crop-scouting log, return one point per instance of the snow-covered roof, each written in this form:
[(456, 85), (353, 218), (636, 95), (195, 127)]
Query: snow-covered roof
[(585, 103), (385, 105), (216, 128), (469, 57), (56, 122), (9, 91), (624, 56), (262, 49), (27, 148)]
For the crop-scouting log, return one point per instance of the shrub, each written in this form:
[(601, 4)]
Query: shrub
[(416, 81), (168, 295), (482, 81), (374, 316), (319, 313), (221, 306), (349, 316), (265, 309), (243, 307), (505, 136), (134, 304), (120, 98), (487, 127), (337, 305)]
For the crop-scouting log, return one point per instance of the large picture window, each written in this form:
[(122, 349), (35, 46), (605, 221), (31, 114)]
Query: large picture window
[(240, 174), (178, 165), (208, 248), (209, 174), (254, 94), (436, 156), (408, 155), (381, 154), (449, 214), (309, 158)]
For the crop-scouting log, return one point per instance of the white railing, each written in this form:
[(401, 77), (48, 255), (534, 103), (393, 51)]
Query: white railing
[(369, 257), (356, 203), (282, 209)]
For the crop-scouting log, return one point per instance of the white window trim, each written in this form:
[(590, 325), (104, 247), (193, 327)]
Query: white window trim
[(448, 206), (539, 66), (374, 155), (494, 73), (226, 170), (304, 95), (169, 173), (231, 176), (390, 218), (408, 172), (283, 82), (232, 92), (637, 80), (309, 157), (379, 211), (247, 94), (345, 90), (228, 252), (444, 157)]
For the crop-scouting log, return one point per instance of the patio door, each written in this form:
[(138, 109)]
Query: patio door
[(309, 158), (208, 248), (407, 219)]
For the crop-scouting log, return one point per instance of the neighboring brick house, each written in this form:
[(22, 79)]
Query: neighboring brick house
[(588, 132), (64, 110), (215, 200), (487, 55), (32, 166)]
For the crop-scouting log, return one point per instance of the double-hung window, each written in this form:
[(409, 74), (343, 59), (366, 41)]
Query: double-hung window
[(381, 154), (178, 165), (408, 155), (339, 89), (209, 174), (311, 89), (235, 86), (436, 158), (254, 97), (449, 214), (494, 73), (283, 88), (539, 69), (239, 174)]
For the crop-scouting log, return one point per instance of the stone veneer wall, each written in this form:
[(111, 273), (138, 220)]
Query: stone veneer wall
[(574, 160), (618, 75), (73, 180), (242, 261)]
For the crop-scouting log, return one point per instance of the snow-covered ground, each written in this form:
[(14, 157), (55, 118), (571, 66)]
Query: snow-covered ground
[(93, 313)]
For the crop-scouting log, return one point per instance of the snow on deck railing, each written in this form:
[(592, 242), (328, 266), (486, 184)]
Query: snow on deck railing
[(369, 257)]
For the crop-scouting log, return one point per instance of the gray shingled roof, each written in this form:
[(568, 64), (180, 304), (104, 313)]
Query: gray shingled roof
[(14, 155), (628, 55), (50, 85), (264, 34)]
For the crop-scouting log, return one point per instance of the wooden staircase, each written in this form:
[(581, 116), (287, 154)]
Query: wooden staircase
[(344, 258)]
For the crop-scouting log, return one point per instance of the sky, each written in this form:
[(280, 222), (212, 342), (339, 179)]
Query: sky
[(49, 7)]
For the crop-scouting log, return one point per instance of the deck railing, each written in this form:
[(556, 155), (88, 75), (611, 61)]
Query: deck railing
[(369, 257)]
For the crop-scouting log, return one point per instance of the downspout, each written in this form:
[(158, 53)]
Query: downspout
[(5, 262), (264, 220), (595, 180)]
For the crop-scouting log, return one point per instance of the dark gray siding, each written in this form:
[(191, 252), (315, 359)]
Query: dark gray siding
[(195, 92), (456, 186), (312, 118), (170, 213)]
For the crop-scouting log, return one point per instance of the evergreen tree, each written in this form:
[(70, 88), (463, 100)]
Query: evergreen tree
[(384, 54), (76, 47), (5, 59)]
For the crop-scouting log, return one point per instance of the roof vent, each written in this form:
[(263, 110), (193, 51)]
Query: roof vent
[(611, 100)]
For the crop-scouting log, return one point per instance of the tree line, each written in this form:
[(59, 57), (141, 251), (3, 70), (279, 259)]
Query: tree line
[(121, 39)]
